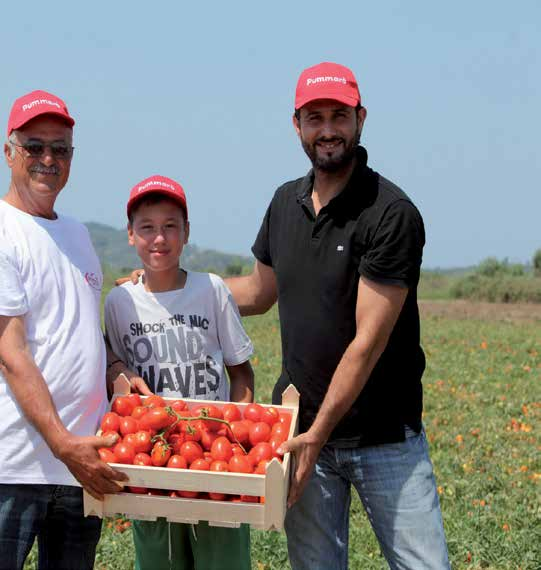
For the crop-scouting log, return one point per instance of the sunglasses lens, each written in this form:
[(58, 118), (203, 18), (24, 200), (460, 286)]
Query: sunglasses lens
[(34, 148), (60, 150)]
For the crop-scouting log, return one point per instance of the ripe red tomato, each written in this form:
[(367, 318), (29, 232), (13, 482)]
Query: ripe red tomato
[(249, 499), (210, 411), (191, 450), (240, 464), (237, 449), (188, 494), (139, 412), (261, 468), (270, 415), (175, 440), (128, 424), (285, 418), (217, 496), (179, 405), (241, 432), (177, 462), (154, 401), (124, 453), (138, 490), (253, 412), (135, 399), (200, 464), (130, 439), (231, 413), (106, 455), (260, 451), (207, 439), (221, 449), (260, 431), (110, 422), (143, 441), (218, 465), (160, 454), (280, 429), (142, 459), (156, 418), (275, 442), (122, 406)]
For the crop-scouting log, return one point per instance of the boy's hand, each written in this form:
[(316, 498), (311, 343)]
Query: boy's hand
[(137, 384), (134, 277)]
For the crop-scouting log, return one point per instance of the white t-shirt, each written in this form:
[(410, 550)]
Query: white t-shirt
[(50, 273), (178, 341)]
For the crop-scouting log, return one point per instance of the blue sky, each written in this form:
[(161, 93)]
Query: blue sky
[(203, 93)]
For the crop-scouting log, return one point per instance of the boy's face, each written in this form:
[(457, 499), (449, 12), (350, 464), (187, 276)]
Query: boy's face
[(159, 233)]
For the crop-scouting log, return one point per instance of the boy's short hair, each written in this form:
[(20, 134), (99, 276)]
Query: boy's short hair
[(151, 199)]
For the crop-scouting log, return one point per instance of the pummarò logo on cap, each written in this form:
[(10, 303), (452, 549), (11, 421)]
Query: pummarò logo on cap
[(325, 79), (155, 183), (32, 104)]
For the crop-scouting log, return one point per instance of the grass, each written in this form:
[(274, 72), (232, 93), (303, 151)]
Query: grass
[(482, 420)]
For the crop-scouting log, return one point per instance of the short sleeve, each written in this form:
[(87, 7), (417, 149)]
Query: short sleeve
[(395, 253), (13, 300), (111, 325), (261, 247), (235, 344)]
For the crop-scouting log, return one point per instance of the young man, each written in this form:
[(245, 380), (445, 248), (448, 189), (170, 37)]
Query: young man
[(341, 249), (52, 354), (180, 331)]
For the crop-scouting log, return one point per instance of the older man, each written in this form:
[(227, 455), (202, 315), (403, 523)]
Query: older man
[(52, 355), (340, 250)]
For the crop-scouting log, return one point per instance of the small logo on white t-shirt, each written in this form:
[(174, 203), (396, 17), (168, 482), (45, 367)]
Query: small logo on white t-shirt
[(339, 248), (93, 280)]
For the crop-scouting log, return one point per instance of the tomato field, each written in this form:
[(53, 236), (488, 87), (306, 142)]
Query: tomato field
[(482, 416)]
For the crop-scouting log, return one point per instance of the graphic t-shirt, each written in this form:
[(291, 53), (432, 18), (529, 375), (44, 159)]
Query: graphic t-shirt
[(179, 341), (50, 273)]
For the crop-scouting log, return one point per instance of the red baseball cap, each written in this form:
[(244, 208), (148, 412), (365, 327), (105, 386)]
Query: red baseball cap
[(327, 81), (158, 185), (33, 105)]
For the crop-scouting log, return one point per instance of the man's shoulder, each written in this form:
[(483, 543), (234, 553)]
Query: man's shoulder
[(289, 189), (120, 293), (390, 191)]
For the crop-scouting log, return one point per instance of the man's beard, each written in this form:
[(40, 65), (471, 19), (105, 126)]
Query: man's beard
[(336, 162)]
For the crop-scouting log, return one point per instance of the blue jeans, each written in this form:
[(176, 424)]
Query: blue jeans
[(397, 488), (54, 514)]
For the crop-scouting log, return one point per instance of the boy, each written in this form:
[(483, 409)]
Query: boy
[(177, 329)]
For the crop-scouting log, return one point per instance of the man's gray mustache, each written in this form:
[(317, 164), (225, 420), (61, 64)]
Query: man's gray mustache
[(44, 169)]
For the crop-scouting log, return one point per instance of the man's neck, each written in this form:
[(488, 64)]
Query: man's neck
[(327, 185), (40, 208), (163, 281)]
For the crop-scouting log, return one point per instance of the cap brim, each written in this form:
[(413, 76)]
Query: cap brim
[(66, 118), (340, 97)]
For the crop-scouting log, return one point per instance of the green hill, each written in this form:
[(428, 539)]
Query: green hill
[(113, 250)]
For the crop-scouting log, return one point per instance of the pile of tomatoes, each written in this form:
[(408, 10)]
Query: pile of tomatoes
[(170, 433)]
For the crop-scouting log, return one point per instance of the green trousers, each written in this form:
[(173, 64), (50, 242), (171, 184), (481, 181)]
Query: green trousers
[(161, 545)]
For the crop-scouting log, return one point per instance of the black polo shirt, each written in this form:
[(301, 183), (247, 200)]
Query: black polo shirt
[(371, 229)]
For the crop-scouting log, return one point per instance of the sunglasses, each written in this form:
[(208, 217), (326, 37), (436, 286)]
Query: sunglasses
[(36, 148)]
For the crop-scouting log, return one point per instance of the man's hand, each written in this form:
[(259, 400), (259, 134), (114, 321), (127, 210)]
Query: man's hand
[(80, 455), (134, 277), (305, 449)]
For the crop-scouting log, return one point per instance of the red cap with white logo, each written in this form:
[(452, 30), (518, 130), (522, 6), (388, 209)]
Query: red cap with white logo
[(33, 105), (158, 185), (327, 81)]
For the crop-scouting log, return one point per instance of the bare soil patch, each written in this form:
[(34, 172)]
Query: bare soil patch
[(461, 309)]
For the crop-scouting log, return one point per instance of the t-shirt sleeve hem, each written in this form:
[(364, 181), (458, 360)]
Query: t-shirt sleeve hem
[(13, 312), (261, 256), (385, 279), (241, 356)]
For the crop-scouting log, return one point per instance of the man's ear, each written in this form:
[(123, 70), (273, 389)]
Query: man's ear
[(7, 154), (186, 231), (361, 117), (296, 125), (131, 239)]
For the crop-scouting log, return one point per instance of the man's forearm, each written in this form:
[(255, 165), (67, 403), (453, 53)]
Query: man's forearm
[(32, 394)]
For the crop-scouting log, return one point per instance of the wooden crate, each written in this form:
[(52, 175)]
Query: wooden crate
[(273, 486)]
